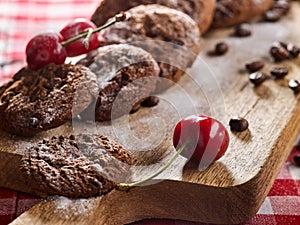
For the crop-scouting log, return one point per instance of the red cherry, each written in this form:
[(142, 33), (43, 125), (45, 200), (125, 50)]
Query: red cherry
[(45, 48), (207, 139), (74, 28)]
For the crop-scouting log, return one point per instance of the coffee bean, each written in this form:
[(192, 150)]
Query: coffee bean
[(282, 5), (293, 50), (255, 66), (295, 86), (258, 78), (279, 72), (297, 160), (221, 48), (135, 108), (278, 10), (243, 30), (278, 52), (150, 101), (283, 44), (238, 124), (33, 122), (272, 15)]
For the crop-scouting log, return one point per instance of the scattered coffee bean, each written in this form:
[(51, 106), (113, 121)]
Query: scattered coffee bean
[(278, 10), (279, 52), (221, 48), (258, 78), (255, 66), (293, 50), (33, 122), (243, 30), (272, 15), (297, 160), (279, 72), (282, 6), (238, 124), (295, 86), (135, 108), (150, 101), (283, 44)]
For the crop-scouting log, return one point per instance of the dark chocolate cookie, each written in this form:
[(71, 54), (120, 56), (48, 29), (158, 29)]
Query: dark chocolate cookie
[(233, 12), (76, 166), (125, 72), (34, 101), (172, 38), (200, 10)]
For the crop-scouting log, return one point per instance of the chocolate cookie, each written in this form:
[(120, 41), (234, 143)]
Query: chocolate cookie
[(233, 12), (200, 10), (171, 36), (76, 166), (126, 75), (34, 101)]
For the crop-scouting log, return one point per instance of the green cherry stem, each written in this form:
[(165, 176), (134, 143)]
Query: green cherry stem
[(118, 18), (169, 163)]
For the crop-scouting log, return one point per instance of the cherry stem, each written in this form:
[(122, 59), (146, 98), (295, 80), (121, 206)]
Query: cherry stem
[(118, 18), (169, 163), (86, 40)]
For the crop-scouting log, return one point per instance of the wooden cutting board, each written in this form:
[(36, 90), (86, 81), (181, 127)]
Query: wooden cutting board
[(229, 191)]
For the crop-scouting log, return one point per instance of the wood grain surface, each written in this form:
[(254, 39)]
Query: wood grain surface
[(230, 190)]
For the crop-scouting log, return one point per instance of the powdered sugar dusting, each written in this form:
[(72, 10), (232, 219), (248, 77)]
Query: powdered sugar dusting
[(69, 208)]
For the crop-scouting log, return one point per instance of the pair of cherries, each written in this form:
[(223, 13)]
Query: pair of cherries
[(76, 38), (51, 47)]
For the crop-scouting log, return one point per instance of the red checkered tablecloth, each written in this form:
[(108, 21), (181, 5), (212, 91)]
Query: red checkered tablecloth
[(20, 19)]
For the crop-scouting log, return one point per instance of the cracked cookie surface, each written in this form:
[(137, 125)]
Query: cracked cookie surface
[(76, 166), (170, 36), (126, 75), (199, 10), (35, 101)]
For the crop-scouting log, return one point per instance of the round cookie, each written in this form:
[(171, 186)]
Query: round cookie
[(35, 101), (200, 10), (233, 12), (170, 36), (126, 75), (77, 166)]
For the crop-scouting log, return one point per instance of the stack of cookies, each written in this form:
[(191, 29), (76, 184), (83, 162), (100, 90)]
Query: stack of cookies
[(137, 58), (155, 45)]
